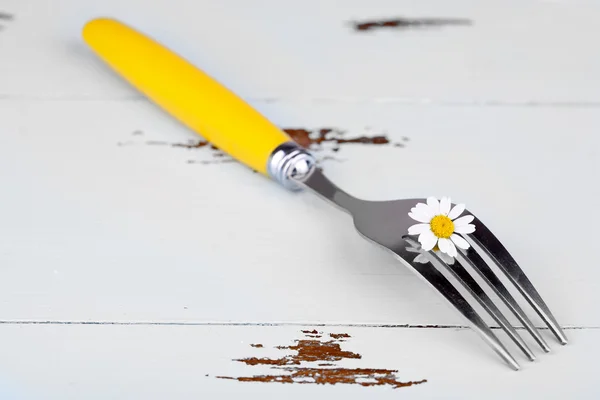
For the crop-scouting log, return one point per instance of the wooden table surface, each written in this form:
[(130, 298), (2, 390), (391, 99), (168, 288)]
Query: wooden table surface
[(136, 262)]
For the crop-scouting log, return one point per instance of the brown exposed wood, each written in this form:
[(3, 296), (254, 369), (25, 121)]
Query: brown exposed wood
[(333, 376), (307, 351), (313, 139), (297, 367), (265, 361), (315, 350), (339, 335)]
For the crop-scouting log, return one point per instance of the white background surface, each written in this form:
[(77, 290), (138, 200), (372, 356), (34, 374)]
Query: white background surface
[(132, 270)]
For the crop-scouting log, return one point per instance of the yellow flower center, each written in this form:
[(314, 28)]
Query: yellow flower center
[(442, 226)]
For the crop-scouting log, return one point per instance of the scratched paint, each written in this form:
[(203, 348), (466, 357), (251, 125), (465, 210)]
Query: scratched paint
[(325, 143), (314, 361), (339, 335), (408, 23), (318, 139)]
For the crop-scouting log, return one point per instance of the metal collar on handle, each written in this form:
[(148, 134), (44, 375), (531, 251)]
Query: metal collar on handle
[(289, 162)]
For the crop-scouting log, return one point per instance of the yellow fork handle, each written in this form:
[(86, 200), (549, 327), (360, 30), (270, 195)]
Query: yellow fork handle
[(185, 92)]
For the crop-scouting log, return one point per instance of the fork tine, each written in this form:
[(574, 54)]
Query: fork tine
[(439, 282), (488, 242), (476, 262), (467, 281)]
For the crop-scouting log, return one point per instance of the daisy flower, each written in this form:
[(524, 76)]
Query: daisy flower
[(441, 226)]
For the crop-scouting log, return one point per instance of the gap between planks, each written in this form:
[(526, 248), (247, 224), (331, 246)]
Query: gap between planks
[(269, 324)]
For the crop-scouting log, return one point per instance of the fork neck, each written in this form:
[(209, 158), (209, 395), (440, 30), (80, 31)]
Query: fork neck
[(295, 168), (320, 184)]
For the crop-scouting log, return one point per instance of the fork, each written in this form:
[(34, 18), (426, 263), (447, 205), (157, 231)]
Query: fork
[(456, 251)]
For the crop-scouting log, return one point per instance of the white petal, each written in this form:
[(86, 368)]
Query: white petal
[(428, 240), (451, 249), (420, 206), (424, 208), (412, 250), (421, 259), (447, 259), (459, 241), (469, 228), (456, 211), (423, 211), (445, 205), (443, 245), (434, 205), (418, 229), (467, 219), (419, 216)]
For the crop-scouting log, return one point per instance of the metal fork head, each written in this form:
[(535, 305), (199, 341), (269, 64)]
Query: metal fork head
[(387, 224)]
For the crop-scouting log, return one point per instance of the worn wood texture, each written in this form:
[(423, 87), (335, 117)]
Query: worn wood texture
[(135, 259), (103, 208), (524, 52), (185, 362)]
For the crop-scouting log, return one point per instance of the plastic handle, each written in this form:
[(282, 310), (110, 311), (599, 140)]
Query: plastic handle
[(185, 92)]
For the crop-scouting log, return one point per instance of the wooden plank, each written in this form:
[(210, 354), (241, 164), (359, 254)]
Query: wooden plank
[(103, 219), (157, 362), (523, 52), (138, 262)]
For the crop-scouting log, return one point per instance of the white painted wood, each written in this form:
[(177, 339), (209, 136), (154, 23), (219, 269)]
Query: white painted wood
[(102, 220), (158, 362), (96, 231), (514, 52)]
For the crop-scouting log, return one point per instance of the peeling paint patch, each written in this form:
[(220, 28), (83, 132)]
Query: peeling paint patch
[(325, 143), (339, 335), (312, 361), (318, 139), (408, 23)]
